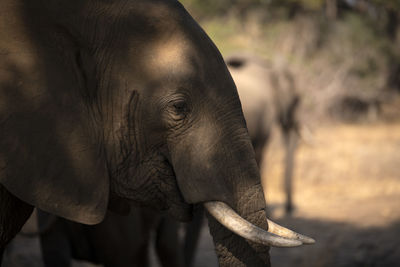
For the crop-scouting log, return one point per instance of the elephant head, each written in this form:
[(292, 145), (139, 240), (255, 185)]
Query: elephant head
[(129, 99)]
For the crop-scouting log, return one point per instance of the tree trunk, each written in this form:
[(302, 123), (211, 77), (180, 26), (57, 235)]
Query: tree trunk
[(393, 78), (392, 24), (331, 9)]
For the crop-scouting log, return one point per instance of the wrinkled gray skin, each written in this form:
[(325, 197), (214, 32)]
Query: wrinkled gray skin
[(117, 241), (128, 99), (268, 96)]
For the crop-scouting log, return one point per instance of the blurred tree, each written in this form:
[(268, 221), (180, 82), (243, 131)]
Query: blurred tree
[(209, 8), (392, 10), (293, 7), (381, 17), (392, 24), (393, 78), (331, 9)]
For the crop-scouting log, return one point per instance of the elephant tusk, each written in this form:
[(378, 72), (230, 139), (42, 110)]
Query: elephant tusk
[(234, 222), (279, 230)]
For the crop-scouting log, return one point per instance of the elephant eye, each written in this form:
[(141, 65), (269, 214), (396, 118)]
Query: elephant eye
[(181, 107)]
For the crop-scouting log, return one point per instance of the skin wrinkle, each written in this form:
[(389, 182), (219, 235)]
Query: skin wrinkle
[(249, 198), (157, 188), (123, 188), (127, 147)]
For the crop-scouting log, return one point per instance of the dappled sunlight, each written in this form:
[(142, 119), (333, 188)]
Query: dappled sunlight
[(169, 55)]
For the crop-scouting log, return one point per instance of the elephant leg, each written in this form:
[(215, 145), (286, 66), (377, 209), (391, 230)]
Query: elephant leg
[(260, 142), (192, 235), (168, 246), (14, 213), (54, 242), (150, 221), (290, 139), (142, 255)]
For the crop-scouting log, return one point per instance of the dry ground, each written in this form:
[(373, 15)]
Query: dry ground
[(347, 197)]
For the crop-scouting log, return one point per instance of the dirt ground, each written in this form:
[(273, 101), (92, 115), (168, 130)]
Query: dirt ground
[(347, 197)]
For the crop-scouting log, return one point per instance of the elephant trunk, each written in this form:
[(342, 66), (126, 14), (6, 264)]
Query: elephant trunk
[(242, 240), (233, 250)]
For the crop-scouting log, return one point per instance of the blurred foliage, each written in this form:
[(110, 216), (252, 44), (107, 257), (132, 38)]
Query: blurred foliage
[(392, 4), (355, 51), (210, 8)]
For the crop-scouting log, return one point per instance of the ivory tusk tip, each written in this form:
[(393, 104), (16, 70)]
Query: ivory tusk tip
[(307, 240), (279, 237), (290, 243), (287, 233)]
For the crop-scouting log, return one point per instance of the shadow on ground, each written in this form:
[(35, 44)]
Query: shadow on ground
[(340, 245)]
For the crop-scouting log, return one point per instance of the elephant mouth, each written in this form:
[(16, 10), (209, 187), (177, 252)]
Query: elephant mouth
[(175, 206), (276, 236), (154, 186)]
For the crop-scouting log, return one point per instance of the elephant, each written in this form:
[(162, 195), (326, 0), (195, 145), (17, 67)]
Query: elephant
[(106, 104), (119, 240), (268, 98)]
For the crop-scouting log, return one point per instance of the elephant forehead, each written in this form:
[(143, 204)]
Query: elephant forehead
[(170, 56)]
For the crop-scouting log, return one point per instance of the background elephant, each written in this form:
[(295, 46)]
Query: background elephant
[(107, 104), (269, 97), (117, 241)]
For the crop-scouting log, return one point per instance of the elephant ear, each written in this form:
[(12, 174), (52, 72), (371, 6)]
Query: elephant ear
[(50, 145), (68, 185), (47, 161)]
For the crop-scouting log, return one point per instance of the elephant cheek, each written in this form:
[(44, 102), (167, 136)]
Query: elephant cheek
[(211, 169), (201, 172)]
